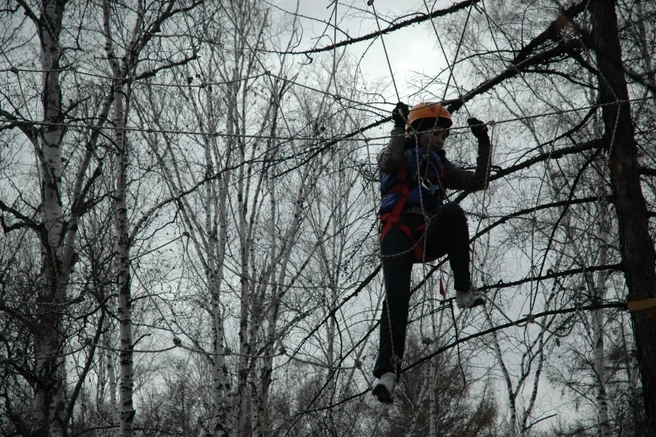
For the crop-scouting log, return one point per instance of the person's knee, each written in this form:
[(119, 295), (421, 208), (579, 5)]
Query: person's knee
[(453, 213), (394, 243)]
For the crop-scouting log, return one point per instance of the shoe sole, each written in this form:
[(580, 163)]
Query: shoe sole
[(382, 394), (478, 302)]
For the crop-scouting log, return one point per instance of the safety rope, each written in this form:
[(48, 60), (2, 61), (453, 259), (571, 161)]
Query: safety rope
[(415, 135), (451, 78), (485, 189), (394, 359), (450, 65), (382, 40)]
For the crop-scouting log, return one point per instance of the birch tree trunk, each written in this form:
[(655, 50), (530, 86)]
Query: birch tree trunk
[(216, 229), (644, 43), (64, 199), (636, 415), (146, 24), (48, 406), (242, 392), (598, 290), (126, 409), (112, 386)]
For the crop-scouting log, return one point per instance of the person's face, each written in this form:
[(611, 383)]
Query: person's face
[(433, 139)]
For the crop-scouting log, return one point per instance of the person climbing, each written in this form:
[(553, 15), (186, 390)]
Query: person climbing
[(417, 224)]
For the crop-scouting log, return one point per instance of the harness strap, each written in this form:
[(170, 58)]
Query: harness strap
[(417, 249), (393, 218)]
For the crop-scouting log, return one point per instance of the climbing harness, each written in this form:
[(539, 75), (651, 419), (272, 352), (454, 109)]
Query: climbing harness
[(412, 187), (401, 191)]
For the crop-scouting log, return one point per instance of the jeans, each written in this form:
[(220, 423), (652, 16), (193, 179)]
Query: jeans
[(447, 233)]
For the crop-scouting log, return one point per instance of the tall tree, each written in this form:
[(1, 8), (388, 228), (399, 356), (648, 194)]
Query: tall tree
[(563, 43), (55, 214), (132, 54), (69, 157), (636, 246)]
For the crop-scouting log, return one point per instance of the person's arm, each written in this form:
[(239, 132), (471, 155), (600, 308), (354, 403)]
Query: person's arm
[(390, 158), (461, 179)]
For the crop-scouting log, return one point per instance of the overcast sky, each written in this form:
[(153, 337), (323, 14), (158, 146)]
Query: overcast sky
[(411, 50)]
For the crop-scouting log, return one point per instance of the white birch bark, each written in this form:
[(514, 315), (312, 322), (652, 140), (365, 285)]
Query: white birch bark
[(644, 44), (48, 404), (633, 377), (126, 410), (123, 68), (51, 407), (242, 391), (600, 373), (216, 217), (126, 384), (599, 294), (122, 263), (112, 385)]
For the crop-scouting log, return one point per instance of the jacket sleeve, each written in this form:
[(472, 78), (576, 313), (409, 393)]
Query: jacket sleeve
[(461, 179), (391, 157)]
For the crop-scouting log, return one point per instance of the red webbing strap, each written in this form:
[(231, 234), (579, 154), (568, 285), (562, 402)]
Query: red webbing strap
[(417, 249), (394, 218)]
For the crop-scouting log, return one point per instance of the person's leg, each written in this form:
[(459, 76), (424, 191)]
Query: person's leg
[(397, 260), (448, 233)]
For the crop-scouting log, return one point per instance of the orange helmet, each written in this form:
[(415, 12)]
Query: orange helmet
[(428, 110)]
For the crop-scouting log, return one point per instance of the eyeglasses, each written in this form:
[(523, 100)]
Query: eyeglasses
[(436, 130)]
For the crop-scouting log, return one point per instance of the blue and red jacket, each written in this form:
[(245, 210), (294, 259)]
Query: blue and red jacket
[(413, 181), (419, 182), (417, 186)]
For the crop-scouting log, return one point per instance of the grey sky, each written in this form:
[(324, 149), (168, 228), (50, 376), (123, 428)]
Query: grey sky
[(412, 51)]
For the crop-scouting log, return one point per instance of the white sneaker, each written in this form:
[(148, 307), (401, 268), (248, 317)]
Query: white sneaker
[(469, 299), (384, 387)]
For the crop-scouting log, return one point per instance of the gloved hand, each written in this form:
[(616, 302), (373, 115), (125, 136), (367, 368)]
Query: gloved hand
[(400, 114), (479, 130)]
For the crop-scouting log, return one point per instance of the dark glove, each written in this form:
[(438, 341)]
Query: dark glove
[(400, 114), (479, 130)]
